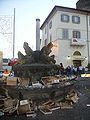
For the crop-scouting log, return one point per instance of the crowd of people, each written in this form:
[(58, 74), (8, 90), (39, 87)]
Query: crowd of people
[(71, 70), (68, 71)]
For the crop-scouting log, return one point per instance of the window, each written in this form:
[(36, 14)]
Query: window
[(76, 34), (50, 38), (76, 19), (65, 34), (64, 18), (5, 60), (45, 30), (50, 25)]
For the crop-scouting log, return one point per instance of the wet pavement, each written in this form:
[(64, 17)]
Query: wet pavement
[(80, 111)]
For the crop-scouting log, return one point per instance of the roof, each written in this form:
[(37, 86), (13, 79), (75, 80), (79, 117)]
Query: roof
[(61, 8)]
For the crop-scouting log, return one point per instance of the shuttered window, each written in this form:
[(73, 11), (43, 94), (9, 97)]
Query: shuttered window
[(76, 34), (65, 34), (76, 19), (64, 18)]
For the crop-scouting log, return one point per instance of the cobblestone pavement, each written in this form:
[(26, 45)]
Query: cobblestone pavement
[(81, 110)]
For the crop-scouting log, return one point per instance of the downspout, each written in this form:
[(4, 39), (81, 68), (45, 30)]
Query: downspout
[(87, 38), (47, 34), (14, 34)]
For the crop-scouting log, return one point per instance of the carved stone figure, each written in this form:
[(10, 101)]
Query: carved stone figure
[(38, 56), (27, 49), (20, 55), (46, 50)]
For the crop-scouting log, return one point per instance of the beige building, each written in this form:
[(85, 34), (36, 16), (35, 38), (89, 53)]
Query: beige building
[(69, 30)]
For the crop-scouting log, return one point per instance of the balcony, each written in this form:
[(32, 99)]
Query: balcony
[(78, 57), (77, 42)]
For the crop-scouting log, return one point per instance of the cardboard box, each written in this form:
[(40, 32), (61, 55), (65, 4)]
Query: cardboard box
[(12, 81)]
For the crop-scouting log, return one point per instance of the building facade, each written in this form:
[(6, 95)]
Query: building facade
[(69, 30)]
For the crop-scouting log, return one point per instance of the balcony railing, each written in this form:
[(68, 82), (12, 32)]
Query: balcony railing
[(77, 41)]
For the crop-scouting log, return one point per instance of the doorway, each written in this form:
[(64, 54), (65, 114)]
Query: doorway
[(77, 63)]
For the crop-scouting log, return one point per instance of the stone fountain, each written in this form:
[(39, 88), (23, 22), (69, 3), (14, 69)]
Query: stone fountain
[(39, 66)]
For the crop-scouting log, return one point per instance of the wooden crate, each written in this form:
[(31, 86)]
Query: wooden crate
[(8, 102), (24, 81), (24, 107)]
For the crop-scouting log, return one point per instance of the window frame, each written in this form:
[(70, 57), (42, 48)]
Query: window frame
[(45, 30), (75, 19), (65, 34), (50, 24), (50, 37), (76, 34), (63, 19)]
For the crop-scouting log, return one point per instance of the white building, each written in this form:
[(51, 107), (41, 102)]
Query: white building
[(69, 30)]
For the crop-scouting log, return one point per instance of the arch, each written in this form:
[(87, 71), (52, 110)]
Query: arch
[(77, 53)]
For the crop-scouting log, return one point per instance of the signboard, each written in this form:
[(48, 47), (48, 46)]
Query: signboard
[(77, 41)]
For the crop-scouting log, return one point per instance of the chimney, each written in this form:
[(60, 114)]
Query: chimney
[(37, 34)]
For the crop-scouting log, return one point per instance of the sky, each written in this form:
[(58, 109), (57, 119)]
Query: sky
[(26, 13)]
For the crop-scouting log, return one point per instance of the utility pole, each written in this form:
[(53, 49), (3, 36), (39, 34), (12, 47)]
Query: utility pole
[(14, 34)]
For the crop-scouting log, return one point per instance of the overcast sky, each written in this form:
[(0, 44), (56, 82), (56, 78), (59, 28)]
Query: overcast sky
[(26, 12)]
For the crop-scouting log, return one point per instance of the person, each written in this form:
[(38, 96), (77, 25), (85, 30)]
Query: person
[(83, 70), (61, 70), (80, 70), (6, 73), (68, 71), (1, 74), (72, 70), (75, 70)]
